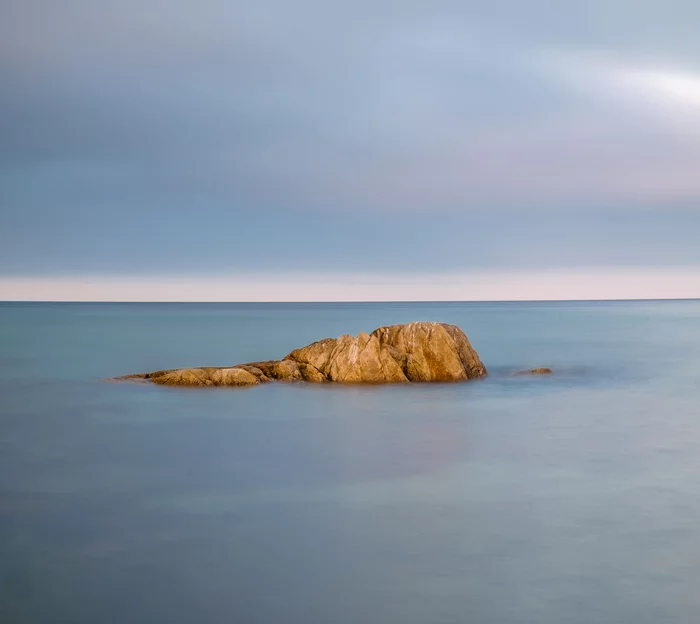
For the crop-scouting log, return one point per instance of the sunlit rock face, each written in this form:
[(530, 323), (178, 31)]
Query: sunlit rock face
[(414, 352)]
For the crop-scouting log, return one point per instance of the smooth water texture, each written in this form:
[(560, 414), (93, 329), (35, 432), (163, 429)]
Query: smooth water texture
[(568, 499)]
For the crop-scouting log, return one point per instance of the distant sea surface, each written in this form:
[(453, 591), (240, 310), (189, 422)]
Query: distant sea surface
[(573, 498)]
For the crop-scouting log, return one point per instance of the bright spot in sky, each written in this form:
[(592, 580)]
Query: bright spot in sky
[(681, 88), (630, 83)]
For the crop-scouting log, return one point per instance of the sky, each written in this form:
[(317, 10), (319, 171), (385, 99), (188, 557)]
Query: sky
[(312, 150)]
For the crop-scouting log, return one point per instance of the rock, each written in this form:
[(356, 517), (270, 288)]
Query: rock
[(316, 354), (233, 377), (280, 370), (433, 351), (182, 377), (534, 371), (256, 372), (311, 374), (348, 359), (415, 352)]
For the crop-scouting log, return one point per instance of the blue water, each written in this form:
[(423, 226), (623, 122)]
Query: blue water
[(570, 499)]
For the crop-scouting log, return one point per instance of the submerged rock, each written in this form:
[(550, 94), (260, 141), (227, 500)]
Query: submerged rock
[(534, 371), (415, 352)]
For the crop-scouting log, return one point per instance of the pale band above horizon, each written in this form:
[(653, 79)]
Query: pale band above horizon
[(484, 285)]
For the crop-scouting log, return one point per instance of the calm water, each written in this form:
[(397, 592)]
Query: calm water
[(570, 499)]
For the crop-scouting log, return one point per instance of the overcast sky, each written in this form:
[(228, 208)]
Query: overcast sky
[(477, 145)]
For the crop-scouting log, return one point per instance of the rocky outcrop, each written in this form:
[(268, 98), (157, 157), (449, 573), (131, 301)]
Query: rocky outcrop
[(415, 352)]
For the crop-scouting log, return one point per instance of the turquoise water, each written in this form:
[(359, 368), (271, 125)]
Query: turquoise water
[(570, 499)]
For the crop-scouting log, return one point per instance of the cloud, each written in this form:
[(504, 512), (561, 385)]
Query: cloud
[(164, 128)]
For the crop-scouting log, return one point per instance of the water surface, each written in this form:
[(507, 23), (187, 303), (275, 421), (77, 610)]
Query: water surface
[(570, 499)]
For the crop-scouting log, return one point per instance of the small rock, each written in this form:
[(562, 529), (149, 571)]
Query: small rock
[(534, 371)]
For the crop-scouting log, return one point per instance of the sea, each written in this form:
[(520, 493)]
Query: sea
[(571, 498)]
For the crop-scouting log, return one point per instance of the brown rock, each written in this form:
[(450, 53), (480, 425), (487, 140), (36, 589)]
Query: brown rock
[(311, 374), (534, 371), (204, 377), (433, 351), (316, 354), (254, 370), (182, 377), (286, 370), (233, 377), (362, 360), (395, 354)]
